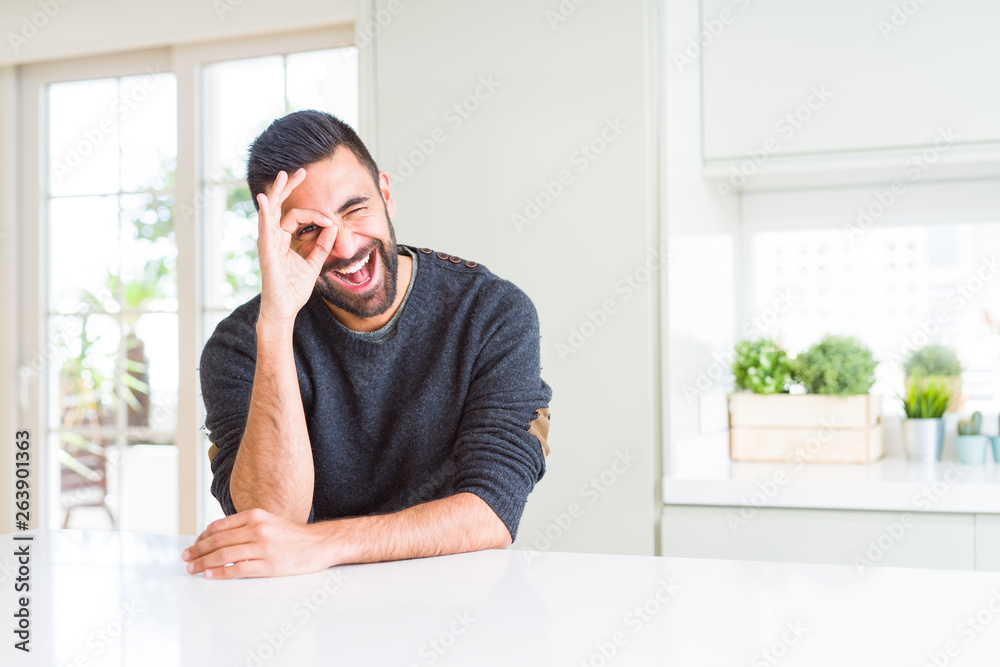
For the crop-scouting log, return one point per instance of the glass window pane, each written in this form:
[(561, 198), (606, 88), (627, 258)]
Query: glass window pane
[(83, 137), (149, 486), (896, 287), (111, 255), (87, 478), (87, 350), (151, 372), (149, 132), (83, 254), (325, 80), (149, 251), (232, 270), (211, 319), (242, 97)]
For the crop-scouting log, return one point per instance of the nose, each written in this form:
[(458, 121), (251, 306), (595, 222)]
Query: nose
[(349, 245)]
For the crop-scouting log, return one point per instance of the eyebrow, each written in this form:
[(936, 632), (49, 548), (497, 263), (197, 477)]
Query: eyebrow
[(353, 201)]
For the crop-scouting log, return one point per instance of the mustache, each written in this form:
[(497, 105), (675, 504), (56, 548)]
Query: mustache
[(344, 263)]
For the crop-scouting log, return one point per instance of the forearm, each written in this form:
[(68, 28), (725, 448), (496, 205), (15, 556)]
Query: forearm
[(457, 524), (274, 469)]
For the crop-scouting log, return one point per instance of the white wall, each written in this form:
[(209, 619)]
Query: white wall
[(8, 289), (558, 87), (54, 29)]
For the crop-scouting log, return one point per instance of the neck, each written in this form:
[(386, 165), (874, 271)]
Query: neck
[(375, 323)]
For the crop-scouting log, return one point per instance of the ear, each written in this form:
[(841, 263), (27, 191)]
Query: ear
[(383, 186)]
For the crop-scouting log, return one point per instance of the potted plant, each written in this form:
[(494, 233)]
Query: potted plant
[(939, 363), (837, 420), (923, 429), (837, 366), (970, 443), (762, 366)]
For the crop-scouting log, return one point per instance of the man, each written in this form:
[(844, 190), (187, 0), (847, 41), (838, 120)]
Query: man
[(376, 401)]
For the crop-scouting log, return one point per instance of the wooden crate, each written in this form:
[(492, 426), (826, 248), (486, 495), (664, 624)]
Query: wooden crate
[(805, 427)]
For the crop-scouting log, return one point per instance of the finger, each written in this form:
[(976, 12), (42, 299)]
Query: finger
[(264, 216), (302, 216), (244, 568), (227, 522), (277, 184), (219, 557), (292, 182), (209, 543), (280, 195), (324, 244)]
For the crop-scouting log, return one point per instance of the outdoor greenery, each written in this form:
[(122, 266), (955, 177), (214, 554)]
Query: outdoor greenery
[(761, 366), (90, 375), (241, 263)]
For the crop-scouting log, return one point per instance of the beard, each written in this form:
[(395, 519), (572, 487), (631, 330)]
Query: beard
[(375, 301)]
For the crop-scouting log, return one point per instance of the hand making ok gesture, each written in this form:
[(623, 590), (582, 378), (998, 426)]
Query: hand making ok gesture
[(287, 279)]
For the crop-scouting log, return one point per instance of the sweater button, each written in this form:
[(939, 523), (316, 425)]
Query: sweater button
[(426, 251), (471, 264), (454, 260), (442, 255)]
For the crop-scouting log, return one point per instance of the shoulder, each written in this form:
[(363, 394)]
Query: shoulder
[(436, 260), (489, 296), (469, 276)]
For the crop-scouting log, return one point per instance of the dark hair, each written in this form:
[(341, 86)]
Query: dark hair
[(297, 140)]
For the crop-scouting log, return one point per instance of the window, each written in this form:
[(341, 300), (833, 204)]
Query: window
[(897, 288), (112, 300)]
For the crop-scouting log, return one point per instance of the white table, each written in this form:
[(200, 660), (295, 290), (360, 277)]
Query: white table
[(125, 599)]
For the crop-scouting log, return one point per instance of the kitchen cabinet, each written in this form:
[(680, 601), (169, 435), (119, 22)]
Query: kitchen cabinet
[(863, 539), (853, 91)]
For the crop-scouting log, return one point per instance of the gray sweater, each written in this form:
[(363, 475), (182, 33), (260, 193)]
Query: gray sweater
[(453, 402)]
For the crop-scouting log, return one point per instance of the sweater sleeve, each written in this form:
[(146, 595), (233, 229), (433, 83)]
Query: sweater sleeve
[(501, 444), (226, 371)]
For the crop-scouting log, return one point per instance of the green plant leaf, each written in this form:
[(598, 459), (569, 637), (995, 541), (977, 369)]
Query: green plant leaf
[(837, 366)]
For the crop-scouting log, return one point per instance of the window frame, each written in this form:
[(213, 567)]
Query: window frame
[(185, 62)]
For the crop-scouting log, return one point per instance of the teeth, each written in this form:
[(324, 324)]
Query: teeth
[(354, 267)]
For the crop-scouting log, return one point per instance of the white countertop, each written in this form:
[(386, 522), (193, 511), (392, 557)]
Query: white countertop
[(890, 484), (104, 598)]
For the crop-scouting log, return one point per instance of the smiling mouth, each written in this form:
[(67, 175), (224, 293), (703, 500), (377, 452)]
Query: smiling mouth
[(358, 274)]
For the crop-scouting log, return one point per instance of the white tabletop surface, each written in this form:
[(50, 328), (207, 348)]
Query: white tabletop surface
[(888, 484), (103, 598)]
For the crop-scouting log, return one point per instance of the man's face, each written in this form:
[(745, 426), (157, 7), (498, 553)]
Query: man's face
[(359, 275)]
